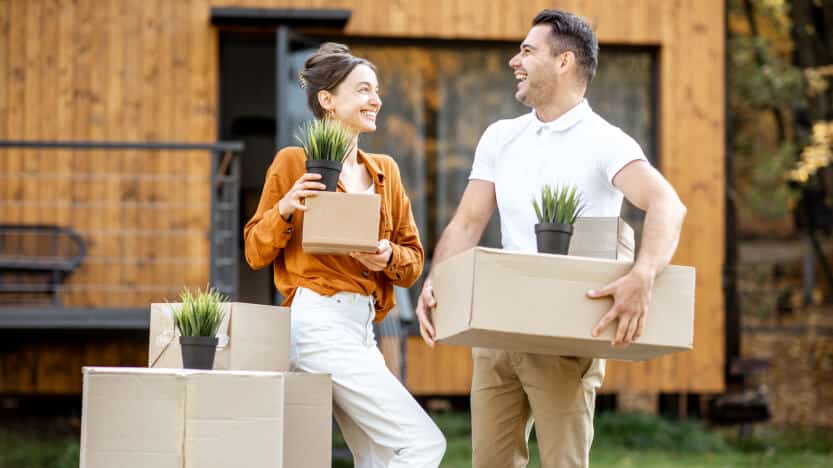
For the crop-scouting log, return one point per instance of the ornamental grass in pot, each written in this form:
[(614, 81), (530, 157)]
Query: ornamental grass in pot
[(326, 143), (198, 321), (557, 210)]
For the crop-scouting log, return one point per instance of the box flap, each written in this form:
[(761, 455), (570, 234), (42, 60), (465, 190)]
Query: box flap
[(234, 419), (309, 415), (153, 406), (259, 337), (602, 237)]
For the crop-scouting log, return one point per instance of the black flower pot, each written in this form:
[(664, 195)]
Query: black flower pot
[(198, 351), (329, 170), (553, 238)]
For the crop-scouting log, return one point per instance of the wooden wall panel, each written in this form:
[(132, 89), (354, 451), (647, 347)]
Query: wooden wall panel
[(111, 71), (144, 70), (50, 363)]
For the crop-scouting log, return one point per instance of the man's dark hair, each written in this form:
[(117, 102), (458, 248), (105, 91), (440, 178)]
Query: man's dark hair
[(573, 33)]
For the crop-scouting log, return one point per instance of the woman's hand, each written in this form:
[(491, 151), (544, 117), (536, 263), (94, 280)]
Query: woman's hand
[(304, 187), (375, 261)]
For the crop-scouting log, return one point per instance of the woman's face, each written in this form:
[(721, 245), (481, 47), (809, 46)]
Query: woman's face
[(355, 102)]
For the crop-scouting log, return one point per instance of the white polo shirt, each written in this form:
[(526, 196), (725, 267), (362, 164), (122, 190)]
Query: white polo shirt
[(521, 155)]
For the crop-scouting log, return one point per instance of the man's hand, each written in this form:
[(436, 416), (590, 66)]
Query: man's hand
[(631, 296), (425, 304), (375, 261)]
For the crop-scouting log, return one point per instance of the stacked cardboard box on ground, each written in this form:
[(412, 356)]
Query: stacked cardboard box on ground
[(537, 303), (249, 411)]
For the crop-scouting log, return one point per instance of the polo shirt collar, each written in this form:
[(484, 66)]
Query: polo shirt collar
[(563, 123)]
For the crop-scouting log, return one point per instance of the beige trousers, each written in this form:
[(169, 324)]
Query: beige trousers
[(510, 390)]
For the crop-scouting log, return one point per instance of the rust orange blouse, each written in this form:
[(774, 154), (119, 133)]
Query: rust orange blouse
[(269, 239)]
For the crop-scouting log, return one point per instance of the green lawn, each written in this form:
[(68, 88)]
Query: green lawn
[(621, 441)]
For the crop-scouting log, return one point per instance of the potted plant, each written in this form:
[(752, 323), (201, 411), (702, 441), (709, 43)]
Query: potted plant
[(557, 212), (198, 320), (326, 143)]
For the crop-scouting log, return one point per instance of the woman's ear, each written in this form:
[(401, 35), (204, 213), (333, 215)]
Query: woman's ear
[(325, 99)]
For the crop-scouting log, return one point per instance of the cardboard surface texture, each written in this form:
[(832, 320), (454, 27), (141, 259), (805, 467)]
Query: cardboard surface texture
[(167, 418), (337, 223)]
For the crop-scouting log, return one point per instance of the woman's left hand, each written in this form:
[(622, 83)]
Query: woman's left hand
[(375, 261)]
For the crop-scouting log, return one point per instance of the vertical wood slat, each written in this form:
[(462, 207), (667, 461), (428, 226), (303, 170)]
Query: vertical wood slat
[(32, 103), (63, 109), (16, 76), (81, 129), (202, 67), (168, 72), (133, 27), (5, 17), (100, 161), (5, 155), (114, 131), (150, 110)]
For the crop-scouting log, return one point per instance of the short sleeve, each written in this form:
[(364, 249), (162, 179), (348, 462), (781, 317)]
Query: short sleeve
[(485, 155), (622, 152)]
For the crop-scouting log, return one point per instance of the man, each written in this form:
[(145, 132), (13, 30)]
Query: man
[(561, 141)]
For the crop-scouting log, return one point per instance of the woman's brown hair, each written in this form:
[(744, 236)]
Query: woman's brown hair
[(325, 70)]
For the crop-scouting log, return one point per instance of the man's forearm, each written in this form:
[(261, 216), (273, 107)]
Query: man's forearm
[(660, 236)]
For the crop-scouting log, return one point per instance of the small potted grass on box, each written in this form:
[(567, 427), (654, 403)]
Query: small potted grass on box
[(557, 211), (198, 320)]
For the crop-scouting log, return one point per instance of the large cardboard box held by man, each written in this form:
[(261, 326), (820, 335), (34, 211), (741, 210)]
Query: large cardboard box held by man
[(337, 223), (252, 337), (537, 303), (167, 418)]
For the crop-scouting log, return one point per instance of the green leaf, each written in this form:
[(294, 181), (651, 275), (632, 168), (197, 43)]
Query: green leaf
[(325, 139), (561, 205), (201, 313)]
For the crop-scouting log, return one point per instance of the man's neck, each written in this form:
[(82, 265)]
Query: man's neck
[(558, 106)]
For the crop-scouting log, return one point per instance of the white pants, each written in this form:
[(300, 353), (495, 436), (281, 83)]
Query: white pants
[(381, 422)]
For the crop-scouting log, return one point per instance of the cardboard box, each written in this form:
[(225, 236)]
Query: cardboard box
[(537, 303), (168, 418), (337, 223), (252, 337), (602, 238)]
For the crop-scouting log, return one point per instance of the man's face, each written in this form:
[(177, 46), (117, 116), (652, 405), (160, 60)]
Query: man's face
[(537, 70)]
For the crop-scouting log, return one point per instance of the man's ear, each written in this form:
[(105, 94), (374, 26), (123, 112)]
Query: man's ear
[(566, 60)]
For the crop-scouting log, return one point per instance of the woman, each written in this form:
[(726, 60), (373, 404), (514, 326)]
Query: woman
[(335, 299)]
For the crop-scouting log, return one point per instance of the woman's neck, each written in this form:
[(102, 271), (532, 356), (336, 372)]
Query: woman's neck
[(352, 157)]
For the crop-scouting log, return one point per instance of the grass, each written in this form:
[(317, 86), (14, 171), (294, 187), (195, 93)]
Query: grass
[(28, 447), (621, 441)]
